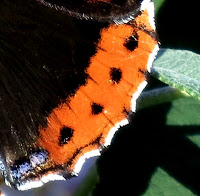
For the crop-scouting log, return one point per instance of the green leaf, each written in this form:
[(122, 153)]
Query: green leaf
[(184, 112), (158, 96), (162, 184), (158, 4), (180, 69), (183, 119)]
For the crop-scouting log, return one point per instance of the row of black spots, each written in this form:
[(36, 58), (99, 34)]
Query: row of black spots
[(66, 132)]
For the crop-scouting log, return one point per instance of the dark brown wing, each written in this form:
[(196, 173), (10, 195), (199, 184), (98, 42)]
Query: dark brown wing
[(42, 51), (101, 10)]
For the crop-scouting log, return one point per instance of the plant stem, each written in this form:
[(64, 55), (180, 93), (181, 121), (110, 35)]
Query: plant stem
[(159, 96)]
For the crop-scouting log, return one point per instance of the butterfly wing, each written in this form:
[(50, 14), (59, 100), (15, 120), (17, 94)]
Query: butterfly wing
[(66, 84)]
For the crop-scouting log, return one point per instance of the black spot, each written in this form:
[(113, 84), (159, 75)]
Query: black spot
[(96, 108), (115, 74), (131, 43), (65, 135)]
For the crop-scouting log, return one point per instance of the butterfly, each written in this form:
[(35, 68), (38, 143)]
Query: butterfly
[(71, 72)]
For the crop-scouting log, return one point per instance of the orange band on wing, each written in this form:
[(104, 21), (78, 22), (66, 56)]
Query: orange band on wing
[(110, 96)]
